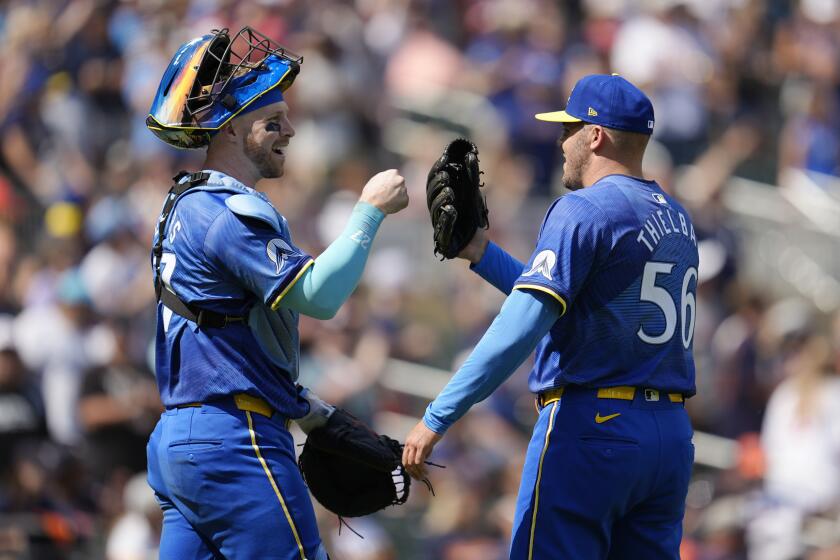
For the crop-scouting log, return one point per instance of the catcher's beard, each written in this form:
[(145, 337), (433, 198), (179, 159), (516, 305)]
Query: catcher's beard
[(262, 159)]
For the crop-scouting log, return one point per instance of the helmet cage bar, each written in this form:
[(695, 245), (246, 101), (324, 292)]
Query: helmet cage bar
[(230, 64)]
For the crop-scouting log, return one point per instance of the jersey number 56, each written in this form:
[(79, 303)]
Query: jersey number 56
[(662, 298)]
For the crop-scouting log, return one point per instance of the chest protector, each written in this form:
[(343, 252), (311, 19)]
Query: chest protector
[(275, 331)]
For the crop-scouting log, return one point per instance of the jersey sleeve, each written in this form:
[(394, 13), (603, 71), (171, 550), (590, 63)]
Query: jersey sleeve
[(573, 236), (258, 256)]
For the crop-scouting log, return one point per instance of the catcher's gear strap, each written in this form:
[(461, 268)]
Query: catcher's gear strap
[(525, 318), (201, 317)]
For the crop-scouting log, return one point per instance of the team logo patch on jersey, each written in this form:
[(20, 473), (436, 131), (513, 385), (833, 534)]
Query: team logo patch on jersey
[(659, 198), (543, 264), (277, 251)]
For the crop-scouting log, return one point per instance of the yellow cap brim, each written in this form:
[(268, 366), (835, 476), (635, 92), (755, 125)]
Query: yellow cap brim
[(557, 116)]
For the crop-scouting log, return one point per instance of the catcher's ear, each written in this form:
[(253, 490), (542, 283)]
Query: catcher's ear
[(228, 134)]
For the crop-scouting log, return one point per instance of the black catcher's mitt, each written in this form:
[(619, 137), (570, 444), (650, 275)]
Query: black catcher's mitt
[(456, 205), (350, 469)]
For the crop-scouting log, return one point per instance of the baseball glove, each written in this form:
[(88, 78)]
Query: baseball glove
[(453, 194), (351, 470)]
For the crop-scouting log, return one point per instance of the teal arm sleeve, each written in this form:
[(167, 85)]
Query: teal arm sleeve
[(333, 276), (525, 318)]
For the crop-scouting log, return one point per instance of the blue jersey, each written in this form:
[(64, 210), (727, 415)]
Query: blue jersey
[(221, 255), (621, 257)]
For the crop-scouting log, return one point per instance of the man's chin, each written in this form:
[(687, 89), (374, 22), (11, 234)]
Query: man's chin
[(274, 172), (572, 185), (568, 180)]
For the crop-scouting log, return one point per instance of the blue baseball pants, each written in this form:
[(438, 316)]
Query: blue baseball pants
[(229, 486), (604, 478)]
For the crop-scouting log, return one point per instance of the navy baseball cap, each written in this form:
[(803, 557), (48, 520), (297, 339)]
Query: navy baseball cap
[(610, 101)]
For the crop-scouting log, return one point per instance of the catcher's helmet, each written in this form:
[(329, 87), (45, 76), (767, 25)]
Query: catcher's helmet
[(213, 78)]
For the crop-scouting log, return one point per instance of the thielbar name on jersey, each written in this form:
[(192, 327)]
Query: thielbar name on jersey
[(664, 222)]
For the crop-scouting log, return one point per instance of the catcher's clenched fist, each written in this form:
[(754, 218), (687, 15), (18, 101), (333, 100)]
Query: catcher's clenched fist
[(386, 190)]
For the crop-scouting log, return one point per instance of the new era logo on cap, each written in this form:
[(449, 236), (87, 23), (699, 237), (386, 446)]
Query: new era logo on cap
[(621, 105)]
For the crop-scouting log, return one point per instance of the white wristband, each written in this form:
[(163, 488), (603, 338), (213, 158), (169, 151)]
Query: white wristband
[(319, 412)]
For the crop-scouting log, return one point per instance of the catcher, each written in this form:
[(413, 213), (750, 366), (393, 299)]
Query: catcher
[(231, 284), (607, 300)]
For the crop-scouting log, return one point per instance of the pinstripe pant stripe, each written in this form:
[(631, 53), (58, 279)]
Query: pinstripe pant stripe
[(539, 478), (274, 484)]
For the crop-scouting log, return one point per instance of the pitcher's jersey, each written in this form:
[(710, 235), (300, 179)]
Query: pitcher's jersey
[(621, 258), (226, 261)]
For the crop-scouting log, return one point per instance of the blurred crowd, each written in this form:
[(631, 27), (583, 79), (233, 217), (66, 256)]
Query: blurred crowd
[(743, 88)]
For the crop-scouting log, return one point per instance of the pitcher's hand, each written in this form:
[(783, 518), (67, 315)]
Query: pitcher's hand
[(418, 446)]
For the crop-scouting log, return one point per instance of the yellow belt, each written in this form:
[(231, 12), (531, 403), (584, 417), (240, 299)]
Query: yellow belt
[(622, 393), (244, 401)]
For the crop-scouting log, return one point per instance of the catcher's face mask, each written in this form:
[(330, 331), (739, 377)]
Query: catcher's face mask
[(214, 78)]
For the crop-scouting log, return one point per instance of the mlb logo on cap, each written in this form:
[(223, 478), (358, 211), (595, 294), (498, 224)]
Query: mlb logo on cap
[(610, 101)]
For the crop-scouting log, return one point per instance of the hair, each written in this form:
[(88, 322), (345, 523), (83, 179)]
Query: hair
[(626, 142)]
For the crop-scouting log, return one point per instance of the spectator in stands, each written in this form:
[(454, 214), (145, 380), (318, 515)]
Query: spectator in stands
[(801, 441)]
